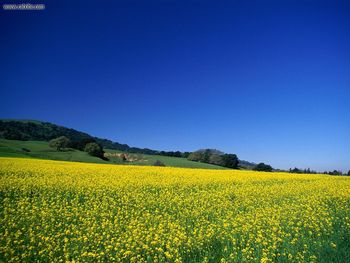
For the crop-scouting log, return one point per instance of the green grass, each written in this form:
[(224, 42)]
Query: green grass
[(41, 150), (144, 159)]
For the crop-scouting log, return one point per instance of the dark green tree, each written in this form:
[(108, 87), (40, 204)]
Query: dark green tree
[(185, 154), (230, 161), (203, 155), (59, 143), (214, 156), (94, 149), (349, 172), (295, 170), (216, 159), (206, 156), (263, 167), (335, 172), (195, 156)]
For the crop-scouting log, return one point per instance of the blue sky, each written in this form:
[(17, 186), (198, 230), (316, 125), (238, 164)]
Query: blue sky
[(267, 80)]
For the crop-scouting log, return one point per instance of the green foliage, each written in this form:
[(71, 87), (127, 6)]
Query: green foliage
[(195, 156), (263, 167), (302, 171), (59, 143), (35, 130), (349, 172), (335, 172), (174, 154), (80, 145), (215, 157), (94, 149), (230, 161), (203, 155)]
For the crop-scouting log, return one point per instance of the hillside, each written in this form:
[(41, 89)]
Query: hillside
[(33, 130), (41, 150), (30, 133)]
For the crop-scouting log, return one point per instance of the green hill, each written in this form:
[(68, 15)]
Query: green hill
[(41, 150), (34, 135), (33, 130)]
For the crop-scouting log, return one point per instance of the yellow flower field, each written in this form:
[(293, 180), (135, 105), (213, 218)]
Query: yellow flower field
[(55, 211)]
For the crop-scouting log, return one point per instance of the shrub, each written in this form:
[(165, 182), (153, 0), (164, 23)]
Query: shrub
[(263, 167), (230, 161), (94, 149), (214, 156), (59, 143)]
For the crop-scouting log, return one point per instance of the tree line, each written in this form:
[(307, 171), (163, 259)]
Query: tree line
[(216, 157), (90, 146), (308, 171)]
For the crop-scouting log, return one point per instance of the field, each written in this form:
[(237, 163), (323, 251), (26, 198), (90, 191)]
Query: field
[(145, 159), (54, 211), (41, 150)]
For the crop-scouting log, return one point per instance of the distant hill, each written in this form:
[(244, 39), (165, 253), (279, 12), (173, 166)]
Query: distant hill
[(34, 130)]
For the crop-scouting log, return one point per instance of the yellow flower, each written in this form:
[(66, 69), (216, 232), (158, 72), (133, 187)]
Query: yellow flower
[(66, 211)]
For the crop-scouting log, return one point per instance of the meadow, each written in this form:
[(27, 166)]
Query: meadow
[(41, 150), (54, 211)]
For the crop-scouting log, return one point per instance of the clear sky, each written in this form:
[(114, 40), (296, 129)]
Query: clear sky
[(267, 80)]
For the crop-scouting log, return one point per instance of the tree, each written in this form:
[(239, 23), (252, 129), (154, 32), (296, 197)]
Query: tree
[(80, 144), (185, 154), (206, 156), (263, 167), (295, 170), (94, 149), (195, 156), (349, 172), (216, 159), (335, 172), (203, 155), (59, 143), (230, 161)]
